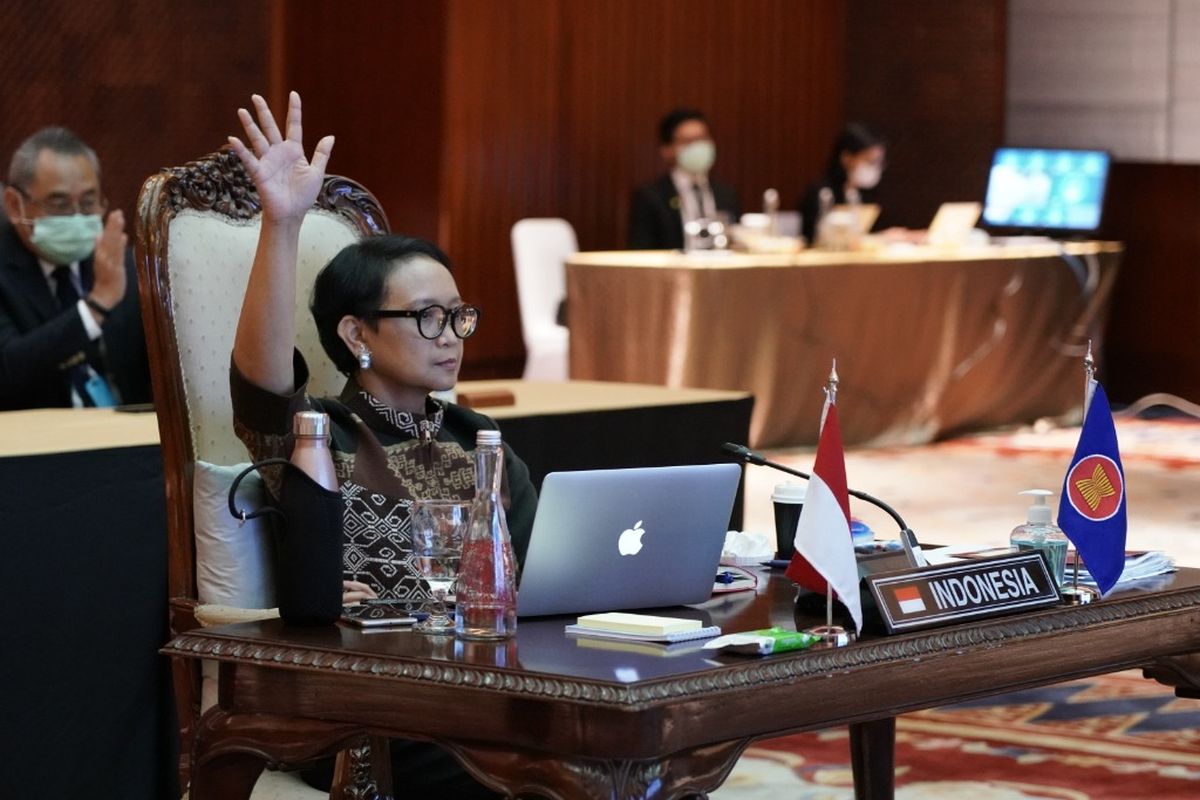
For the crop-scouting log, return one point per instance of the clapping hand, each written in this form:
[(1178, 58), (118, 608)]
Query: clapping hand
[(109, 262), (287, 182)]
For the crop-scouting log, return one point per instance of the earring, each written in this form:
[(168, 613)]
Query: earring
[(364, 357)]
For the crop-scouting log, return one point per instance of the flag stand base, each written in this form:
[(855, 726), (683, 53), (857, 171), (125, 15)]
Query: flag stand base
[(1079, 595), (831, 635)]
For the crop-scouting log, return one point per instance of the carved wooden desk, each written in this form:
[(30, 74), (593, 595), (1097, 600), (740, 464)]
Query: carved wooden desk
[(554, 716)]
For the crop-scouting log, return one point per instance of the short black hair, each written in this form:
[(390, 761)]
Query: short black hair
[(853, 139), (668, 124), (56, 139), (354, 282)]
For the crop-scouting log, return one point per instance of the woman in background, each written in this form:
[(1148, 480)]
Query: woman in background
[(856, 163)]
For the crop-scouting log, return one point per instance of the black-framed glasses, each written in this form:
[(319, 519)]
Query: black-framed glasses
[(431, 320), (57, 205)]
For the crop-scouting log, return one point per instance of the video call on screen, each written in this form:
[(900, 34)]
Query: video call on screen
[(1046, 189)]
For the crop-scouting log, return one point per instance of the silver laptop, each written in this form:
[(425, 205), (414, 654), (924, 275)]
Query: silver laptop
[(953, 223), (605, 540)]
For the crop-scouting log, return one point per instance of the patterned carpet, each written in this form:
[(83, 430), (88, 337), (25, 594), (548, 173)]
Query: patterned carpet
[(1116, 737)]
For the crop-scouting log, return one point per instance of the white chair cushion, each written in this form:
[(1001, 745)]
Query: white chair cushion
[(233, 561), (210, 257)]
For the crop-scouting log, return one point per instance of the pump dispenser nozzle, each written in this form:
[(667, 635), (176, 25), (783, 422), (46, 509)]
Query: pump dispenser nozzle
[(1039, 512)]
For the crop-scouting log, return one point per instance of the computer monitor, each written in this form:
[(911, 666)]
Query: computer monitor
[(1046, 189)]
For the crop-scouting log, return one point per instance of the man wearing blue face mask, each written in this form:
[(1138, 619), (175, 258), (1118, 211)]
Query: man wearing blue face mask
[(70, 326), (660, 209)]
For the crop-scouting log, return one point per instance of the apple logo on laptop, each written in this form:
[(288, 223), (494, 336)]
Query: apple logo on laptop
[(630, 542)]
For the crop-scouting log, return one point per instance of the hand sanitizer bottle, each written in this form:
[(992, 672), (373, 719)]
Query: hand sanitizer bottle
[(1039, 533)]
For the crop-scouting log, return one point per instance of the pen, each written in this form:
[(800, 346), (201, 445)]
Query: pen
[(729, 577)]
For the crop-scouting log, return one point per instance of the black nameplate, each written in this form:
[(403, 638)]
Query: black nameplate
[(951, 593)]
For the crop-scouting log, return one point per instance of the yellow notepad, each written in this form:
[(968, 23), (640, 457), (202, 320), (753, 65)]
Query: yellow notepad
[(643, 624)]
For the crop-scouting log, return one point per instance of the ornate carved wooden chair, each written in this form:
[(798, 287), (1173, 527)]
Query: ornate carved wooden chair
[(197, 228)]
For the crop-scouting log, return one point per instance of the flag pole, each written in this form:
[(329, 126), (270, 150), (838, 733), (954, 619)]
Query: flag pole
[(831, 635), (1075, 594)]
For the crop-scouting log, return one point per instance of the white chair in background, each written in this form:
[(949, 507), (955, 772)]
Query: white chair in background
[(540, 247)]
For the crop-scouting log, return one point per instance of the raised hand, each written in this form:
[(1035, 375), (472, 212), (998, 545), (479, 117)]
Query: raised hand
[(287, 182)]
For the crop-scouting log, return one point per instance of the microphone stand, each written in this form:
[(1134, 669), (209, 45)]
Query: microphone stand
[(907, 538)]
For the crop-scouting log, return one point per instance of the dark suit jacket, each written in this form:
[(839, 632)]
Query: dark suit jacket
[(654, 219), (37, 338)]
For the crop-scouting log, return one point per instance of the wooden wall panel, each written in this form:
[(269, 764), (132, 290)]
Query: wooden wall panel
[(499, 157), (146, 83), (1151, 344), (768, 75), (930, 75), (463, 116), (551, 110), (371, 74)]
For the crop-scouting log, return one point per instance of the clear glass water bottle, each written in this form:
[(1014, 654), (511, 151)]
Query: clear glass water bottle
[(486, 599)]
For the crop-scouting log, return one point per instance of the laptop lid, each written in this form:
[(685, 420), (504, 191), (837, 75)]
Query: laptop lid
[(862, 214), (606, 540), (953, 223)]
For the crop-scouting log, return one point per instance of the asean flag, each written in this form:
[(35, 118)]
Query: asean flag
[(1092, 509), (824, 554)]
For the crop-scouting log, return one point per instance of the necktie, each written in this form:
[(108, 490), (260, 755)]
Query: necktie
[(699, 192), (64, 287), (67, 296)]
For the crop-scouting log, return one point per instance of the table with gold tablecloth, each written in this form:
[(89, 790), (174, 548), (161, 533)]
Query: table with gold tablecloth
[(928, 341)]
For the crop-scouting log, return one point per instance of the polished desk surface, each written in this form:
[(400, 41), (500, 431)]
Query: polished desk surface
[(536, 398), (897, 254), (929, 342), (60, 430), (683, 715), (43, 431)]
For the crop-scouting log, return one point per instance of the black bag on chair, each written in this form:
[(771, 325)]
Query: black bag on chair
[(308, 544)]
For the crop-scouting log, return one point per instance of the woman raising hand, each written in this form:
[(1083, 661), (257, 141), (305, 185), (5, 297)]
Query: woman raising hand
[(390, 317)]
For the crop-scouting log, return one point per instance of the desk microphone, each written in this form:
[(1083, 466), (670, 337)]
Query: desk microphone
[(907, 538)]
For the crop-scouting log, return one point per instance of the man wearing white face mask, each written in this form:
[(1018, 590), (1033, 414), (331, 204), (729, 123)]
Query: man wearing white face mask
[(70, 326), (685, 193), (854, 168)]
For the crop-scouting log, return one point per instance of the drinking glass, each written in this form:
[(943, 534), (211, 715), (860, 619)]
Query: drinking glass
[(438, 528)]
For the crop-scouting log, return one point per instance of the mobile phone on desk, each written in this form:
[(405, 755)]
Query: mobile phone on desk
[(380, 615), (135, 408)]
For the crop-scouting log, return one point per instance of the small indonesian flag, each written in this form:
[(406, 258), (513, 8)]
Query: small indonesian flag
[(909, 599), (824, 556)]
